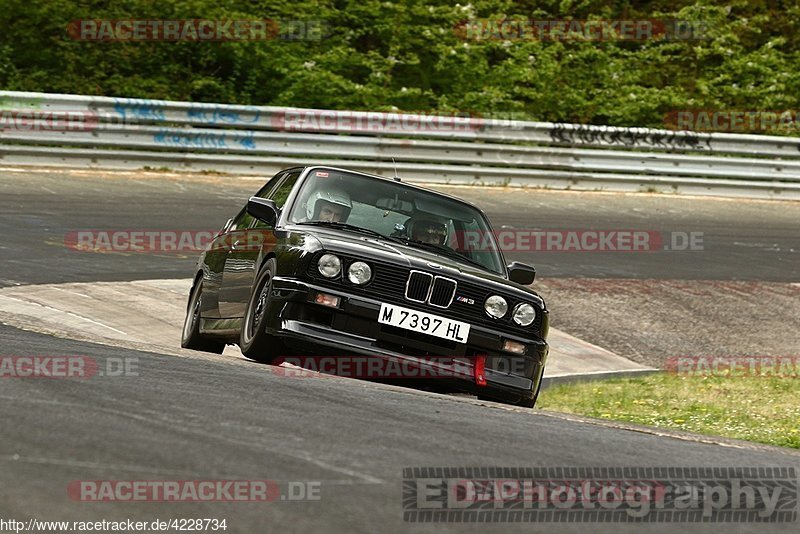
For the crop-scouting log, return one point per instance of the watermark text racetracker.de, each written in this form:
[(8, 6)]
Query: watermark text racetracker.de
[(165, 241), (22, 121), (70, 366), (375, 367), (26, 122), (315, 120), (600, 494), (194, 490), (516, 29), (734, 366), (196, 30), (609, 240), (733, 120)]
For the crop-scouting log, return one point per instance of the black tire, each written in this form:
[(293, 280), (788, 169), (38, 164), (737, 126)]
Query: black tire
[(254, 341), (191, 337)]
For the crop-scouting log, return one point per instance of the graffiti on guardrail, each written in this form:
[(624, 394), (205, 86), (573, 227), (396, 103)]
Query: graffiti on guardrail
[(583, 134), (140, 109), (135, 109), (175, 138), (222, 114)]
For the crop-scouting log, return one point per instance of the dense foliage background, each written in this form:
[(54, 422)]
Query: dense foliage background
[(382, 55)]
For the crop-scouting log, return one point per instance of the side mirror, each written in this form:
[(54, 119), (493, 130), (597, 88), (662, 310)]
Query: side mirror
[(521, 273), (263, 209)]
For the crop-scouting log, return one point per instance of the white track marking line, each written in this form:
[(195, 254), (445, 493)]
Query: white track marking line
[(71, 292), (66, 312)]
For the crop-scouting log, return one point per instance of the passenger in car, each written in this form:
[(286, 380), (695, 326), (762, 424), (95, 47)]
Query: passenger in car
[(428, 230)]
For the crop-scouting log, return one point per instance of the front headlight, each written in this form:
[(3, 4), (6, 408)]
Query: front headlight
[(496, 306), (524, 314), (359, 273), (329, 266)]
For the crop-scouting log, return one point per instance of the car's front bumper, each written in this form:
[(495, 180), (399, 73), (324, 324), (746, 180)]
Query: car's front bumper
[(352, 329)]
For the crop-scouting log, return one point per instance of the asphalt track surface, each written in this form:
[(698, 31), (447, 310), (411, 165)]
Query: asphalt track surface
[(185, 419), (209, 418)]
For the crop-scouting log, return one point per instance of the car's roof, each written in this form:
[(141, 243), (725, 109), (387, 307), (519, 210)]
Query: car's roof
[(379, 177)]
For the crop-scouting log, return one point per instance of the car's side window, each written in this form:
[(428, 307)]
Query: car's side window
[(279, 194), (270, 186), (241, 221), (244, 220)]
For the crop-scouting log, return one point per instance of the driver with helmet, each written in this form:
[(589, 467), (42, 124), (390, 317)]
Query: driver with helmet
[(329, 205)]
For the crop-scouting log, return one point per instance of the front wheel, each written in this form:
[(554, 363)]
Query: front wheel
[(191, 337), (254, 341)]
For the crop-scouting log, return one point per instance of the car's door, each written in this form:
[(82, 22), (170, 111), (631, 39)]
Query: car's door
[(240, 263), (213, 264), (217, 253)]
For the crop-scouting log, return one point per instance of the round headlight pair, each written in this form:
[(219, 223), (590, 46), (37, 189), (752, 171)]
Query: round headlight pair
[(330, 266), (497, 307)]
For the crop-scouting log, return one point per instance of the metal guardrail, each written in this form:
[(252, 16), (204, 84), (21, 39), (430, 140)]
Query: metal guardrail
[(56, 130)]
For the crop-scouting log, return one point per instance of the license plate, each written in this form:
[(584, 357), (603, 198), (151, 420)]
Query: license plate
[(425, 323)]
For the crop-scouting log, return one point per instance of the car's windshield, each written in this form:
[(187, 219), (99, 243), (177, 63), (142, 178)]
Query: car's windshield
[(396, 211)]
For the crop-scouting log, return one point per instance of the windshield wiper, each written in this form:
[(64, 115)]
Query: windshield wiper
[(351, 227), (442, 249)]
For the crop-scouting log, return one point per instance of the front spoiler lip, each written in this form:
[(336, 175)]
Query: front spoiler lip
[(321, 336)]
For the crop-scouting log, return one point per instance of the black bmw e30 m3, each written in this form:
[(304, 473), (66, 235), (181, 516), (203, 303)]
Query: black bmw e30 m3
[(327, 261)]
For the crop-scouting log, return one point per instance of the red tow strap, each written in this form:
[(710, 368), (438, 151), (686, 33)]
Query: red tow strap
[(479, 369)]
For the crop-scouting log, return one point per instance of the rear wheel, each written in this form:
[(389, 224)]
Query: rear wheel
[(191, 337), (253, 339)]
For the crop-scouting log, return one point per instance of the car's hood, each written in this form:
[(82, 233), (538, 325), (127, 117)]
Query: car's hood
[(351, 243)]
